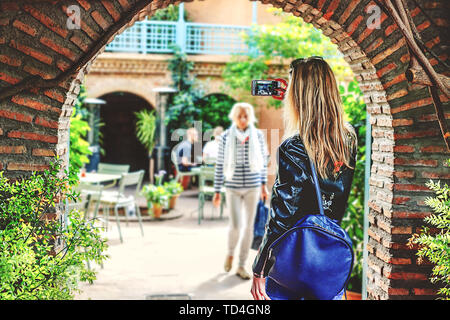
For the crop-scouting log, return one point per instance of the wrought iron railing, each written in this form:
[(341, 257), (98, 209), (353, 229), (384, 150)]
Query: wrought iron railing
[(194, 38)]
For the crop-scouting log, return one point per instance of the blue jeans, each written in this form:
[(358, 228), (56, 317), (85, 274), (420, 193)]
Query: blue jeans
[(277, 292)]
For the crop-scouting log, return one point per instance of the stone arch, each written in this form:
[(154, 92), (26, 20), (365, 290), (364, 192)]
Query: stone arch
[(119, 140), (123, 86), (43, 64)]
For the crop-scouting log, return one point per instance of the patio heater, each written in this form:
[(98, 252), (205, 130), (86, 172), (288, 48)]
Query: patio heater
[(93, 105), (162, 151)]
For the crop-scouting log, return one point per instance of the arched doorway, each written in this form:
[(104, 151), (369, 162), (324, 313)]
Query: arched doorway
[(118, 130), (42, 85)]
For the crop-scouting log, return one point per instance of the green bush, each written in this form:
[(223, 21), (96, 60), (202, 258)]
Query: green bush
[(353, 221), (79, 128), (184, 106), (169, 14), (79, 147), (41, 257), (435, 246), (279, 44), (214, 111)]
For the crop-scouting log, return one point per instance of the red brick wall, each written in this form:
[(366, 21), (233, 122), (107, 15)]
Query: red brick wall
[(407, 147)]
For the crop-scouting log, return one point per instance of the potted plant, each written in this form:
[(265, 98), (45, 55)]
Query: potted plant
[(156, 197), (174, 189)]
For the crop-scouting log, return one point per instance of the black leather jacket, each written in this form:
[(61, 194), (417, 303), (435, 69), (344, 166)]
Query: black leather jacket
[(293, 195)]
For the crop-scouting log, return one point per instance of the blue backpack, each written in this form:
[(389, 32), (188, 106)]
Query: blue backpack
[(315, 257)]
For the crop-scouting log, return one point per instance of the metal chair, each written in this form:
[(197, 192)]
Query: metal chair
[(118, 199), (181, 174), (112, 169), (207, 176), (93, 193), (89, 194)]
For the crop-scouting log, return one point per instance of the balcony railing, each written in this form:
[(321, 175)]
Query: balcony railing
[(193, 38)]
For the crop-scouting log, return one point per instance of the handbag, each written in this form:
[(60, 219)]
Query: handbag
[(259, 228), (315, 257)]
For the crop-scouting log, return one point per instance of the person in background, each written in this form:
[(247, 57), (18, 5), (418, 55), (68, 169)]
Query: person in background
[(242, 168), (185, 151), (211, 148)]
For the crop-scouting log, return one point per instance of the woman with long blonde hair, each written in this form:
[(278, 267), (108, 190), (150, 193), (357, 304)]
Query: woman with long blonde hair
[(316, 131)]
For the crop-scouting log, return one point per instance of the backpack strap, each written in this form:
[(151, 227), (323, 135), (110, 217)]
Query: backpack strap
[(317, 187)]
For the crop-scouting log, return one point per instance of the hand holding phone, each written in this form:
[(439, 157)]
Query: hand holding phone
[(270, 87)]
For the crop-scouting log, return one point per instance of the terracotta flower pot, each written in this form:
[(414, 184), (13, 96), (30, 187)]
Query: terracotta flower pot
[(173, 201), (352, 296), (157, 210)]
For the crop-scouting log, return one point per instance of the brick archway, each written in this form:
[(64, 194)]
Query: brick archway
[(124, 86), (37, 51)]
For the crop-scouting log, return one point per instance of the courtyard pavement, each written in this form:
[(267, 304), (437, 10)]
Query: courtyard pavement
[(176, 258)]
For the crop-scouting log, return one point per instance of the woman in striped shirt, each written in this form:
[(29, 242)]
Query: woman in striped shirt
[(242, 168)]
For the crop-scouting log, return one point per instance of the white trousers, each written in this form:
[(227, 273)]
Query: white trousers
[(242, 205)]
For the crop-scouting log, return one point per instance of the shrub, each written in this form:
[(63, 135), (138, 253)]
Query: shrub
[(169, 14), (435, 246), (79, 128), (184, 107), (42, 257), (214, 111)]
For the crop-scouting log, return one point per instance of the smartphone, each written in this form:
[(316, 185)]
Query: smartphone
[(265, 87)]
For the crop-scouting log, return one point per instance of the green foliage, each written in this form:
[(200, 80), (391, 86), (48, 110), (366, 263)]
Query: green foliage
[(184, 107), (173, 187), (279, 44), (189, 104), (214, 110), (169, 14), (32, 265), (145, 128), (79, 127), (79, 147), (155, 194), (353, 221), (435, 246)]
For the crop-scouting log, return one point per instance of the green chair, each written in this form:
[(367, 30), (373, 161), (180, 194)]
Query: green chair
[(118, 199), (206, 188), (113, 168), (180, 174), (89, 194), (93, 193), (110, 168)]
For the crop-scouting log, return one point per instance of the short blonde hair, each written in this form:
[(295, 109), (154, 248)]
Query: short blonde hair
[(247, 107)]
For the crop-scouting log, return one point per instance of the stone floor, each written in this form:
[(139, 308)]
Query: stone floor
[(175, 257)]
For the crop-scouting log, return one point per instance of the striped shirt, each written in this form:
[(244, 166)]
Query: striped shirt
[(242, 176)]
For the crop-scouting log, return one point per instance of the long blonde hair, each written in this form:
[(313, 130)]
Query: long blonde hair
[(313, 109)]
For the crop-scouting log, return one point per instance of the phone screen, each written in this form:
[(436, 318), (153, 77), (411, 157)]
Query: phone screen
[(264, 87)]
